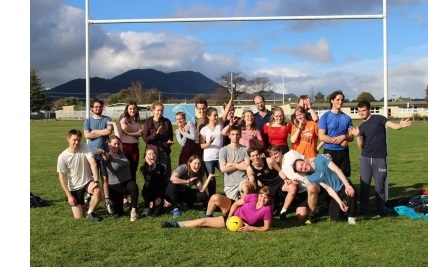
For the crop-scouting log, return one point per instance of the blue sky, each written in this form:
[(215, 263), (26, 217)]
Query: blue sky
[(311, 55)]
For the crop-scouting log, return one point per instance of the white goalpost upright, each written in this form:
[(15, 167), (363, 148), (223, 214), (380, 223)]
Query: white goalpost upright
[(382, 16)]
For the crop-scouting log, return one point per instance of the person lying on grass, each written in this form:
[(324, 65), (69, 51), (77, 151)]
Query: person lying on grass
[(253, 209)]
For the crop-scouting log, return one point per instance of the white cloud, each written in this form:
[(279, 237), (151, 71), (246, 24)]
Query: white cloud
[(317, 52), (58, 53)]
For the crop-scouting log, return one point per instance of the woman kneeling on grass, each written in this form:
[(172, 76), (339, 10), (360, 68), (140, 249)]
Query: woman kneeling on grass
[(253, 209)]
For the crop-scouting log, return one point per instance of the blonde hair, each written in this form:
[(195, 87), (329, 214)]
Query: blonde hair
[(272, 118), (156, 104)]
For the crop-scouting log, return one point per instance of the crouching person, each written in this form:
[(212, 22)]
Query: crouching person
[(324, 172), (155, 182), (180, 192), (120, 182), (78, 175)]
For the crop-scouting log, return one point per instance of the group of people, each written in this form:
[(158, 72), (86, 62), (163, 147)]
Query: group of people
[(262, 172)]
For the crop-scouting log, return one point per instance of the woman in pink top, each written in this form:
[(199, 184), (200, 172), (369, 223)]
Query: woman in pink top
[(253, 209), (304, 134), (277, 130), (250, 135), (131, 131)]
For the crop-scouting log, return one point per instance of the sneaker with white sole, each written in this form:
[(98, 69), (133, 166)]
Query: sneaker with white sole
[(351, 220), (134, 216), (176, 213), (93, 217)]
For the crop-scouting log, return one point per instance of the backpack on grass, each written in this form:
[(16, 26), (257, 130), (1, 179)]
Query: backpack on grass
[(36, 201)]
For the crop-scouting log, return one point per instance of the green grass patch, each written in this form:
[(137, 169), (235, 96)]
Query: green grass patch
[(56, 239)]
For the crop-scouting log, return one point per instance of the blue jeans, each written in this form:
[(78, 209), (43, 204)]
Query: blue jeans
[(210, 169)]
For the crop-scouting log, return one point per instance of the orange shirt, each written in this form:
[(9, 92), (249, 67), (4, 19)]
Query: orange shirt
[(307, 141)]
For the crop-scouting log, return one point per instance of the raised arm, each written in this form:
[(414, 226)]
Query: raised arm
[(403, 123), (308, 103), (295, 133), (227, 108)]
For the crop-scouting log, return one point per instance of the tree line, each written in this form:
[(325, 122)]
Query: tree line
[(244, 88)]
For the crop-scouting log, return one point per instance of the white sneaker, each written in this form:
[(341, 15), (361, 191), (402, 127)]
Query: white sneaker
[(134, 216), (351, 220)]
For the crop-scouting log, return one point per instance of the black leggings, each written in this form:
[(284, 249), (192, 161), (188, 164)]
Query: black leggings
[(116, 195), (336, 214), (177, 194)]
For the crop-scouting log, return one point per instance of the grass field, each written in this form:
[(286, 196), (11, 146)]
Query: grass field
[(56, 239)]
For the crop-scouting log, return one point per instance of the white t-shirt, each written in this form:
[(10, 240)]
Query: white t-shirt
[(211, 152), (287, 168), (76, 166)]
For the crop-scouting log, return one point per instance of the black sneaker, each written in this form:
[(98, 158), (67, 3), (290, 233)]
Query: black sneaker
[(310, 220), (146, 212), (283, 217), (126, 206), (157, 210), (169, 224), (380, 216), (184, 207)]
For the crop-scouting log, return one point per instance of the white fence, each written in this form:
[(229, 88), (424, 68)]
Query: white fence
[(81, 114)]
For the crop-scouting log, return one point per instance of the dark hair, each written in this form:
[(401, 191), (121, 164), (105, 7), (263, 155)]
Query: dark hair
[(295, 163), (96, 101), (334, 95), (210, 110), (235, 128), (201, 101), (200, 172), (363, 104), (126, 113), (274, 148), (75, 132), (252, 149), (182, 114)]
